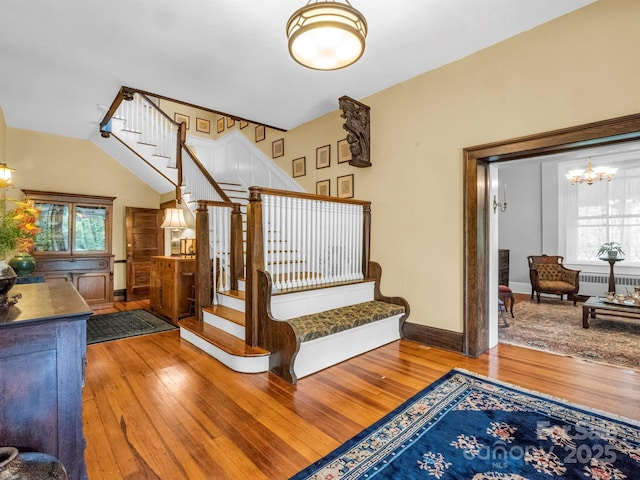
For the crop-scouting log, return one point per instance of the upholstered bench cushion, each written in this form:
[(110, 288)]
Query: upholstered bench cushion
[(316, 325), (556, 286)]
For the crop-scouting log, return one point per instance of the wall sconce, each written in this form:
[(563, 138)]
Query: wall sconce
[(502, 206), (5, 175), (174, 220)]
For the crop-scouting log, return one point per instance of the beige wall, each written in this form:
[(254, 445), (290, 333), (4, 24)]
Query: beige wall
[(62, 164), (580, 68), (3, 137)]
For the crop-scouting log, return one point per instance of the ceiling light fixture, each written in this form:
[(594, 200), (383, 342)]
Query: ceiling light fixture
[(326, 35), (591, 175)]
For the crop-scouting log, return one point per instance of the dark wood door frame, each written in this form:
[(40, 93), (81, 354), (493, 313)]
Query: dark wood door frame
[(477, 209)]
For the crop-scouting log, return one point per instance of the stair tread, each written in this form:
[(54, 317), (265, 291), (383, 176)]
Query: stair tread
[(230, 314), (233, 293), (221, 339)]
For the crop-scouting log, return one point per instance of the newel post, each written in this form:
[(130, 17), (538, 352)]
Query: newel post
[(255, 261), (237, 258), (203, 260), (366, 238), (182, 137)]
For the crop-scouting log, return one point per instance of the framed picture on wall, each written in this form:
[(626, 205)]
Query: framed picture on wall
[(230, 122), (323, 156), (203, 125), (344, 151), (323, 187), (345, 186), (220, 125), (260, 133), (181, 118), (243, 124), (299, 167), (277, 148)]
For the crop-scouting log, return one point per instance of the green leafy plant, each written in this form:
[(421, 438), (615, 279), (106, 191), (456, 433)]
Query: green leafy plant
[(17, 227), (610, 249)]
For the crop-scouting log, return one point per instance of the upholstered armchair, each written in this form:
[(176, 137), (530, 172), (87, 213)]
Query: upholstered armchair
[(549, 275)]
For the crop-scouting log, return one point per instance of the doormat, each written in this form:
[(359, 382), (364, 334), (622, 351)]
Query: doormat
[(114, 326), (466, 426)]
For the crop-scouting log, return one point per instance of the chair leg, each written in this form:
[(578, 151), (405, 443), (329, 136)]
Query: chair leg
[(538, 295)]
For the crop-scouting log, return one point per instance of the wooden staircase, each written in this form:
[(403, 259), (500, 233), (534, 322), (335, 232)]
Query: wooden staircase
[(221, 334)]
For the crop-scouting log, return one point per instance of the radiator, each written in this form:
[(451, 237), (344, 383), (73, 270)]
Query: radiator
[(597, 284)]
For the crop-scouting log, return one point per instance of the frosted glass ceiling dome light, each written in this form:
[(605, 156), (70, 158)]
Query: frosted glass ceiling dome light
[(326, 35)]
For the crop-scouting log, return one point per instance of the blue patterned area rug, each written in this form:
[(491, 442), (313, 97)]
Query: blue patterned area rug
[(465, 426), (114, 326)]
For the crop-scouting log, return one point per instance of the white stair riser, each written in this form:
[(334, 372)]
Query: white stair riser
[(239, 364), (223, 324), (231, 302)]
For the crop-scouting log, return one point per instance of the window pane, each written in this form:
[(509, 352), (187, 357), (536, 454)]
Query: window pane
[(54, 221), (90, 229)]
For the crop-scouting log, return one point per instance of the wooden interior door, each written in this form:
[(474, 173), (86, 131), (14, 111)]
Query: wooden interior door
[(145, 239)]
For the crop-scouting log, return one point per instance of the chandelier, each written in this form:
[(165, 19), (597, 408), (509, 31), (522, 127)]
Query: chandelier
[(591, 174), (326, 35)]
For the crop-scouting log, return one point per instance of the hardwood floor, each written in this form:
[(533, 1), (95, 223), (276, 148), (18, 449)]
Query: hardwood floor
[(155, 407)]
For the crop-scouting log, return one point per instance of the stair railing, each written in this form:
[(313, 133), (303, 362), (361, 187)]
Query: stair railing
[(303, 240), (219, 251)]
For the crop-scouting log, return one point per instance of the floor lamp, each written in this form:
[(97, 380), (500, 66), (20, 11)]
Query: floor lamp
[(174, 220)]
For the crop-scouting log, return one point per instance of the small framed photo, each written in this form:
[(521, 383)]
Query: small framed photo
[(323, 156), (299, 167), (345, 186), (260, 133), (203, 125), (344, 151), (323, 187), (230, 122), (180, 118), (243, 124), (277, 148), (220, 125)]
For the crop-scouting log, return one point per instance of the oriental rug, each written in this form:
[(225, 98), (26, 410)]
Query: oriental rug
[(114, 326), (465, 426), (556, 326)]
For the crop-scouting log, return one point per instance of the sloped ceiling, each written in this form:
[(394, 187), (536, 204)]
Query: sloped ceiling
[(62, 62)]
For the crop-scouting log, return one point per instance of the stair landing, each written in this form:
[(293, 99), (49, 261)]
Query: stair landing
[(228, 349)]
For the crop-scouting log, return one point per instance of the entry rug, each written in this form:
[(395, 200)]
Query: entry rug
[(469, 427), (114, 326)]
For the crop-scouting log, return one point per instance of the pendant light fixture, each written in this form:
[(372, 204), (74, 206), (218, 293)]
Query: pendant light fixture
[(326, 35)]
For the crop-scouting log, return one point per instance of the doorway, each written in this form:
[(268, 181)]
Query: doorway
[(477, 207)]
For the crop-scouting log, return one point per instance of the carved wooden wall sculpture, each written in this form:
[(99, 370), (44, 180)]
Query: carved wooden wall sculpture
[(356, 123)]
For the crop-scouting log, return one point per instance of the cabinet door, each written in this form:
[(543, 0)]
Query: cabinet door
[(95, 287), (54, 221)]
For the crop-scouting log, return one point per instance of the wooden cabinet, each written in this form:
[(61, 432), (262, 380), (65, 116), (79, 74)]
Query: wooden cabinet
[(75, 242), (171, 286), (42, 359), (92, 276)]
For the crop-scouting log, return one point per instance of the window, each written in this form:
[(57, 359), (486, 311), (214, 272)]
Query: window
[(591, 215), (72, 224)]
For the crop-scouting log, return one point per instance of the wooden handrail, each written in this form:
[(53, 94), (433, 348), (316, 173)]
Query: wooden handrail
[(308, 196), (204, 172), (145, 161)]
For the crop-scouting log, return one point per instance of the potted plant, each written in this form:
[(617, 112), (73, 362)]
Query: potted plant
[(610, 250)]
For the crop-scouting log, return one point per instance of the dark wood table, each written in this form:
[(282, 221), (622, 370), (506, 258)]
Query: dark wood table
[(594, 305), (43, 344)]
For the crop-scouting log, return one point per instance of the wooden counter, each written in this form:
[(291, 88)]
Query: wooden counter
[(43, 344)]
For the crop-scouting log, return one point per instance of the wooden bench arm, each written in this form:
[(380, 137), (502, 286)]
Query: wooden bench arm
[(375, 273), (279, 337)]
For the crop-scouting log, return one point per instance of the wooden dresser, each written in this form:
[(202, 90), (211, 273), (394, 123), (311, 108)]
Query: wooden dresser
[(171, 286), (43, 344)]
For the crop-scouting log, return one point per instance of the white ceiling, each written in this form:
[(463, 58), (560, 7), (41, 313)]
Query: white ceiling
[(62, 61)]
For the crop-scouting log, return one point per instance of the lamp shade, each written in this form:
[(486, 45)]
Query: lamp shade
[(174, 218), (326, 35)]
